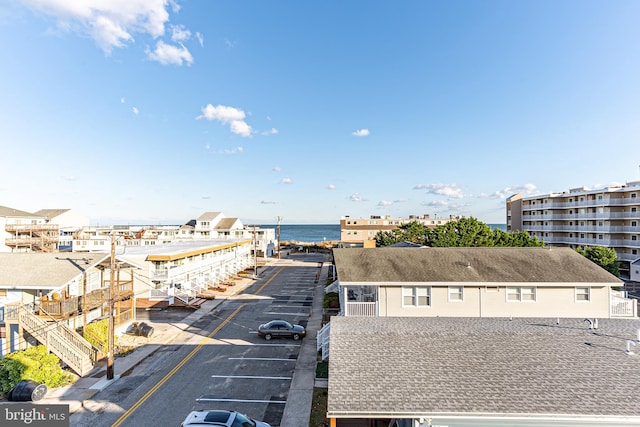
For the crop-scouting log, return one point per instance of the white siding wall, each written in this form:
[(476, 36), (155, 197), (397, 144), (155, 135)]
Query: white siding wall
[(551, 301)]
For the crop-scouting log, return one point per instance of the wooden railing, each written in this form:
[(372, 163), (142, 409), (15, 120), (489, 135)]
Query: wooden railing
[(62, 308), (59, 338)]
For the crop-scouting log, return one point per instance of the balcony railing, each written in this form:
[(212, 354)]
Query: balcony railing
[(361, 309), (623, 307)]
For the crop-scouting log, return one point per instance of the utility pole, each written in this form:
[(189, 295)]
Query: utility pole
[(279, 219), (255, 252), (111, 319)]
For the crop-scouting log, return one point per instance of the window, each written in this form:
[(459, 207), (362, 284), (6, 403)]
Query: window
[(416, 297), (583, 294), (634, 223), (633, 209), (455, 293), (634, 237), (521, 294)]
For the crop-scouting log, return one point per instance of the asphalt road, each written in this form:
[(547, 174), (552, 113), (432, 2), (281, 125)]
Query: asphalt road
[(219, 362)]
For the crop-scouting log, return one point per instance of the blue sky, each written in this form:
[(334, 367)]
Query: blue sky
[(154, 111)]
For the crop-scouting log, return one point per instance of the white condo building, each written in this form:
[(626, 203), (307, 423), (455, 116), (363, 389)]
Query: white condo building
[(607, 217)]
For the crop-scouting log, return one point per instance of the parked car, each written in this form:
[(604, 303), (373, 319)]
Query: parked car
[(221, 419), (281, 328)]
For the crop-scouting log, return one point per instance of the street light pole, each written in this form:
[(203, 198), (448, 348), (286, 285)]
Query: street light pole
[(111, 319)]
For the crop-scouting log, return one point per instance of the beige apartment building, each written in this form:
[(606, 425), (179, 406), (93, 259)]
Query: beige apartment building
[(607, 217), (361, 232)]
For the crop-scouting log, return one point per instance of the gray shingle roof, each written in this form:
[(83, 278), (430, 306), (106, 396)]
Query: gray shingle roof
[(51, 213), (493, 265), (9, 212), (208, 216), (44, 270), (482, 367)]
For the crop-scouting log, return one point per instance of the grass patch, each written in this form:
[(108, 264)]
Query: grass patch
[(318, 416)]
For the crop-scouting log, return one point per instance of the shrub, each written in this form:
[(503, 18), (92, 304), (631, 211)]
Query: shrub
[(34, 363), (97, 333), (331, 299)]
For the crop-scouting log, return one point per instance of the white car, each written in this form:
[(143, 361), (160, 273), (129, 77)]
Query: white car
[(220, 419)]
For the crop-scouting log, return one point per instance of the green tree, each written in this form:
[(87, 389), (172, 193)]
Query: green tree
[(603, 256), (466, 232), (413, 232)]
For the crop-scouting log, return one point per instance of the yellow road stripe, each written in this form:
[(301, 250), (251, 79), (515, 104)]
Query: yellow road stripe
[(270, 279), (176, 368)]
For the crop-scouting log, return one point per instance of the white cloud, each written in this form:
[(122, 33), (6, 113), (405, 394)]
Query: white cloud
[(331, 187), (240, 127), (206, 197), (167, 54), (135, 111), (111, 24), (276, 169), (437, 204), (448, 190), (286, 181), (200, 39), (122, 100), (68, 177), (207, 147), (355, 197), (272, 131), (268, 202), (179, 33), (361, 132), (230, 44), (234, 117), (384, 203), (235, 150), (526, 189)]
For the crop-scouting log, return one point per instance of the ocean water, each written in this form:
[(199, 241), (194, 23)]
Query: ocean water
[(306, 232), (321, 232)]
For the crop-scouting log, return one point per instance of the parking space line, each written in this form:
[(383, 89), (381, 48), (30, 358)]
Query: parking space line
[(287, 314), (211, 399), (250, 377), (263, 358)]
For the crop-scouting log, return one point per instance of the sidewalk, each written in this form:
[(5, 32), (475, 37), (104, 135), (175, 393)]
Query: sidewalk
[(298, 407)]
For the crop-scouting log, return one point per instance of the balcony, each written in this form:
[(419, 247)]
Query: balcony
[(67, 307), (619, 201), (369, 309)]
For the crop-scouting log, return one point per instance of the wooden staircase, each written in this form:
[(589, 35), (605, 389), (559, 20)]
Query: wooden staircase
[(59, 339)]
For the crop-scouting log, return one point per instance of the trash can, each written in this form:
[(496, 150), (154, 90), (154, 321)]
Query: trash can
[(27, 390), (145, 330)]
